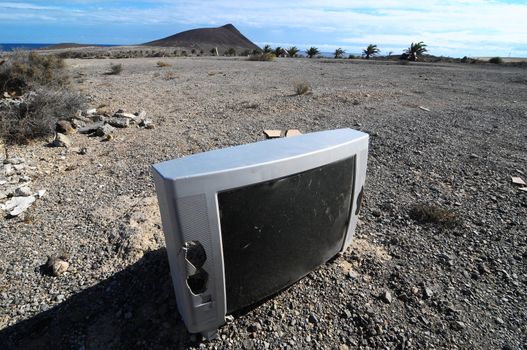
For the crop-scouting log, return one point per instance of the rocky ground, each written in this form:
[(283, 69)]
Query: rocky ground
[(444, 136)]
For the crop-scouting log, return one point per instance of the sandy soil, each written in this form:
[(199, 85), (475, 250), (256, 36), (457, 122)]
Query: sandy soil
[(450, 135)]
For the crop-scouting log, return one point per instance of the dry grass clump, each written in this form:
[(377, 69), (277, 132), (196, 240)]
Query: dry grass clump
[(38, 86), (162, 64), (115, 69), (36, 116), (265, 56), (428, 213), (302, 88), (22, 70)]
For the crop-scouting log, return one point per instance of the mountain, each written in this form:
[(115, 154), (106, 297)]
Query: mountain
[(223, 38)]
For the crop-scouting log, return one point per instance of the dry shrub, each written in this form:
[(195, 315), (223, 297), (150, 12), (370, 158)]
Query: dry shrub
[(302, 88), (169, 76), (163, 64), (266, 56), (115, 69), (428, 213), (35, 116), (23, 70)]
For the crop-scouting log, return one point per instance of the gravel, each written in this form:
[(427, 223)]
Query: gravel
[(443, 135)]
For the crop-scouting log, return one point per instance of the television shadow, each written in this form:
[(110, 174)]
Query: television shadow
[(133, 309)]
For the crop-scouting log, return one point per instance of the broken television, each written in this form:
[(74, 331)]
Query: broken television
[(243, 223)]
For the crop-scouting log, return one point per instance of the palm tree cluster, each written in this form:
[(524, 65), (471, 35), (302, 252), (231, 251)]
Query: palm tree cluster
[(412, 53)]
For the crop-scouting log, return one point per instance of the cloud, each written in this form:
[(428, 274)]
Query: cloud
[(447, 26)]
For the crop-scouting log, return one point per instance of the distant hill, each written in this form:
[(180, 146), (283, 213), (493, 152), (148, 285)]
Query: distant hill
[(205, 39)]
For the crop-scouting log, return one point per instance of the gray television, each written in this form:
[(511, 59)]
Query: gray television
[(243, 223)]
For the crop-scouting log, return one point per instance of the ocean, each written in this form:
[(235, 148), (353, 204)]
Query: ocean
[(11, 47)]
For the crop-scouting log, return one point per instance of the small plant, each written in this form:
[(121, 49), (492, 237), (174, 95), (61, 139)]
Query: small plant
[(339, 52), (169, 76), (302, 88), (266, 56), (427, 213), (245, 52), (267, 49), (162, 64), (370, 51), (292, 51), (496, 60), (351, 56), (256, 52), (115, 69), (193, 51), (230, 52), (184, 53), (312, 52)]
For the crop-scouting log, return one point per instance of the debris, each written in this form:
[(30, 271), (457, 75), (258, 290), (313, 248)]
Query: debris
[(17, 205), (118, 122), (147, 124), (474, 156), (61, 140), (104, 130), (427, 293), (524, 189), (518, 181), (272, 134), (91, 111), (292, 132), (64, 127), (88, 129), (424, 108)]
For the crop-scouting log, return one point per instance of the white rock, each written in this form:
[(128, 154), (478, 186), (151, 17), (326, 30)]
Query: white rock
[(91, 111), (17, 205), (61, 140), (40, 193)]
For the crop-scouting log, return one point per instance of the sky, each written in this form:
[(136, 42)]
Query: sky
[(460, 28)]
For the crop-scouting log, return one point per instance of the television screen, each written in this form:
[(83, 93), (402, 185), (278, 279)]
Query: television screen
[(245, 222)]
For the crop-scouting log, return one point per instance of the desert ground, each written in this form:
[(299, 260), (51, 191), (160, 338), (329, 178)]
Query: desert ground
[(445, 135)]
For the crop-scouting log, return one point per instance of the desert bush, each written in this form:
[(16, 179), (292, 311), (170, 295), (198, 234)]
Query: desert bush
[(193, 51), (245, 52), (266, 56), (427, 213), (23, 70), (339, 52), (302, 88), (115, 69), (163, 64), (36, 114), (350, 56), (496, 60), (230, 52)]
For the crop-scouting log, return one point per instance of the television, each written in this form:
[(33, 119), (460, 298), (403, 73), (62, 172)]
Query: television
[(245, 222)]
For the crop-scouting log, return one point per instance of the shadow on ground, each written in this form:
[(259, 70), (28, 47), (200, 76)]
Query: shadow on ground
[(135, 308)]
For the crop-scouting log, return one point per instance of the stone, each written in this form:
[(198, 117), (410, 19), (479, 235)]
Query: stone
[(64, 127), (56, 266), (17, 205), (23, 191), (427, 293), (61, 140), (118, 122), (104, 130), (77, 123), (313, 319), (91, 111), (147, 124), (387, 297), (88, 129), (14, 161)]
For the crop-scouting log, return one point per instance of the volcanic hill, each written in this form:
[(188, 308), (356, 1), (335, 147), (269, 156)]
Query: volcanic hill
[(223, 38)]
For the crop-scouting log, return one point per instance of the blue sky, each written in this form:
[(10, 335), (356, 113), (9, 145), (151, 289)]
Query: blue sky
[(454, 28)]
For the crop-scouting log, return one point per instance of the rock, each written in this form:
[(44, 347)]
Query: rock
[(140, 115), (83, 151), (56, 266), (64, 127), (3, 195), (313, 319), (61, 140), (343, 347), (427, 293), (474, 156), (483, 269), (104, 130), (118, 122), (9, 170), (147, 124), (347, 313), (23, 191), (40, 193), (77, 123), (458, 325), (15, 161), (386, 297), (91, 111), (17, 205), (88, 129), (499, 320)]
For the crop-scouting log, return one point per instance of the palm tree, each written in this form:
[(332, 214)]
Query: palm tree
[(267, 49), (279, 51), (312, 52), (339, 52), (415, 49), (292, 51), (370, 51)]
